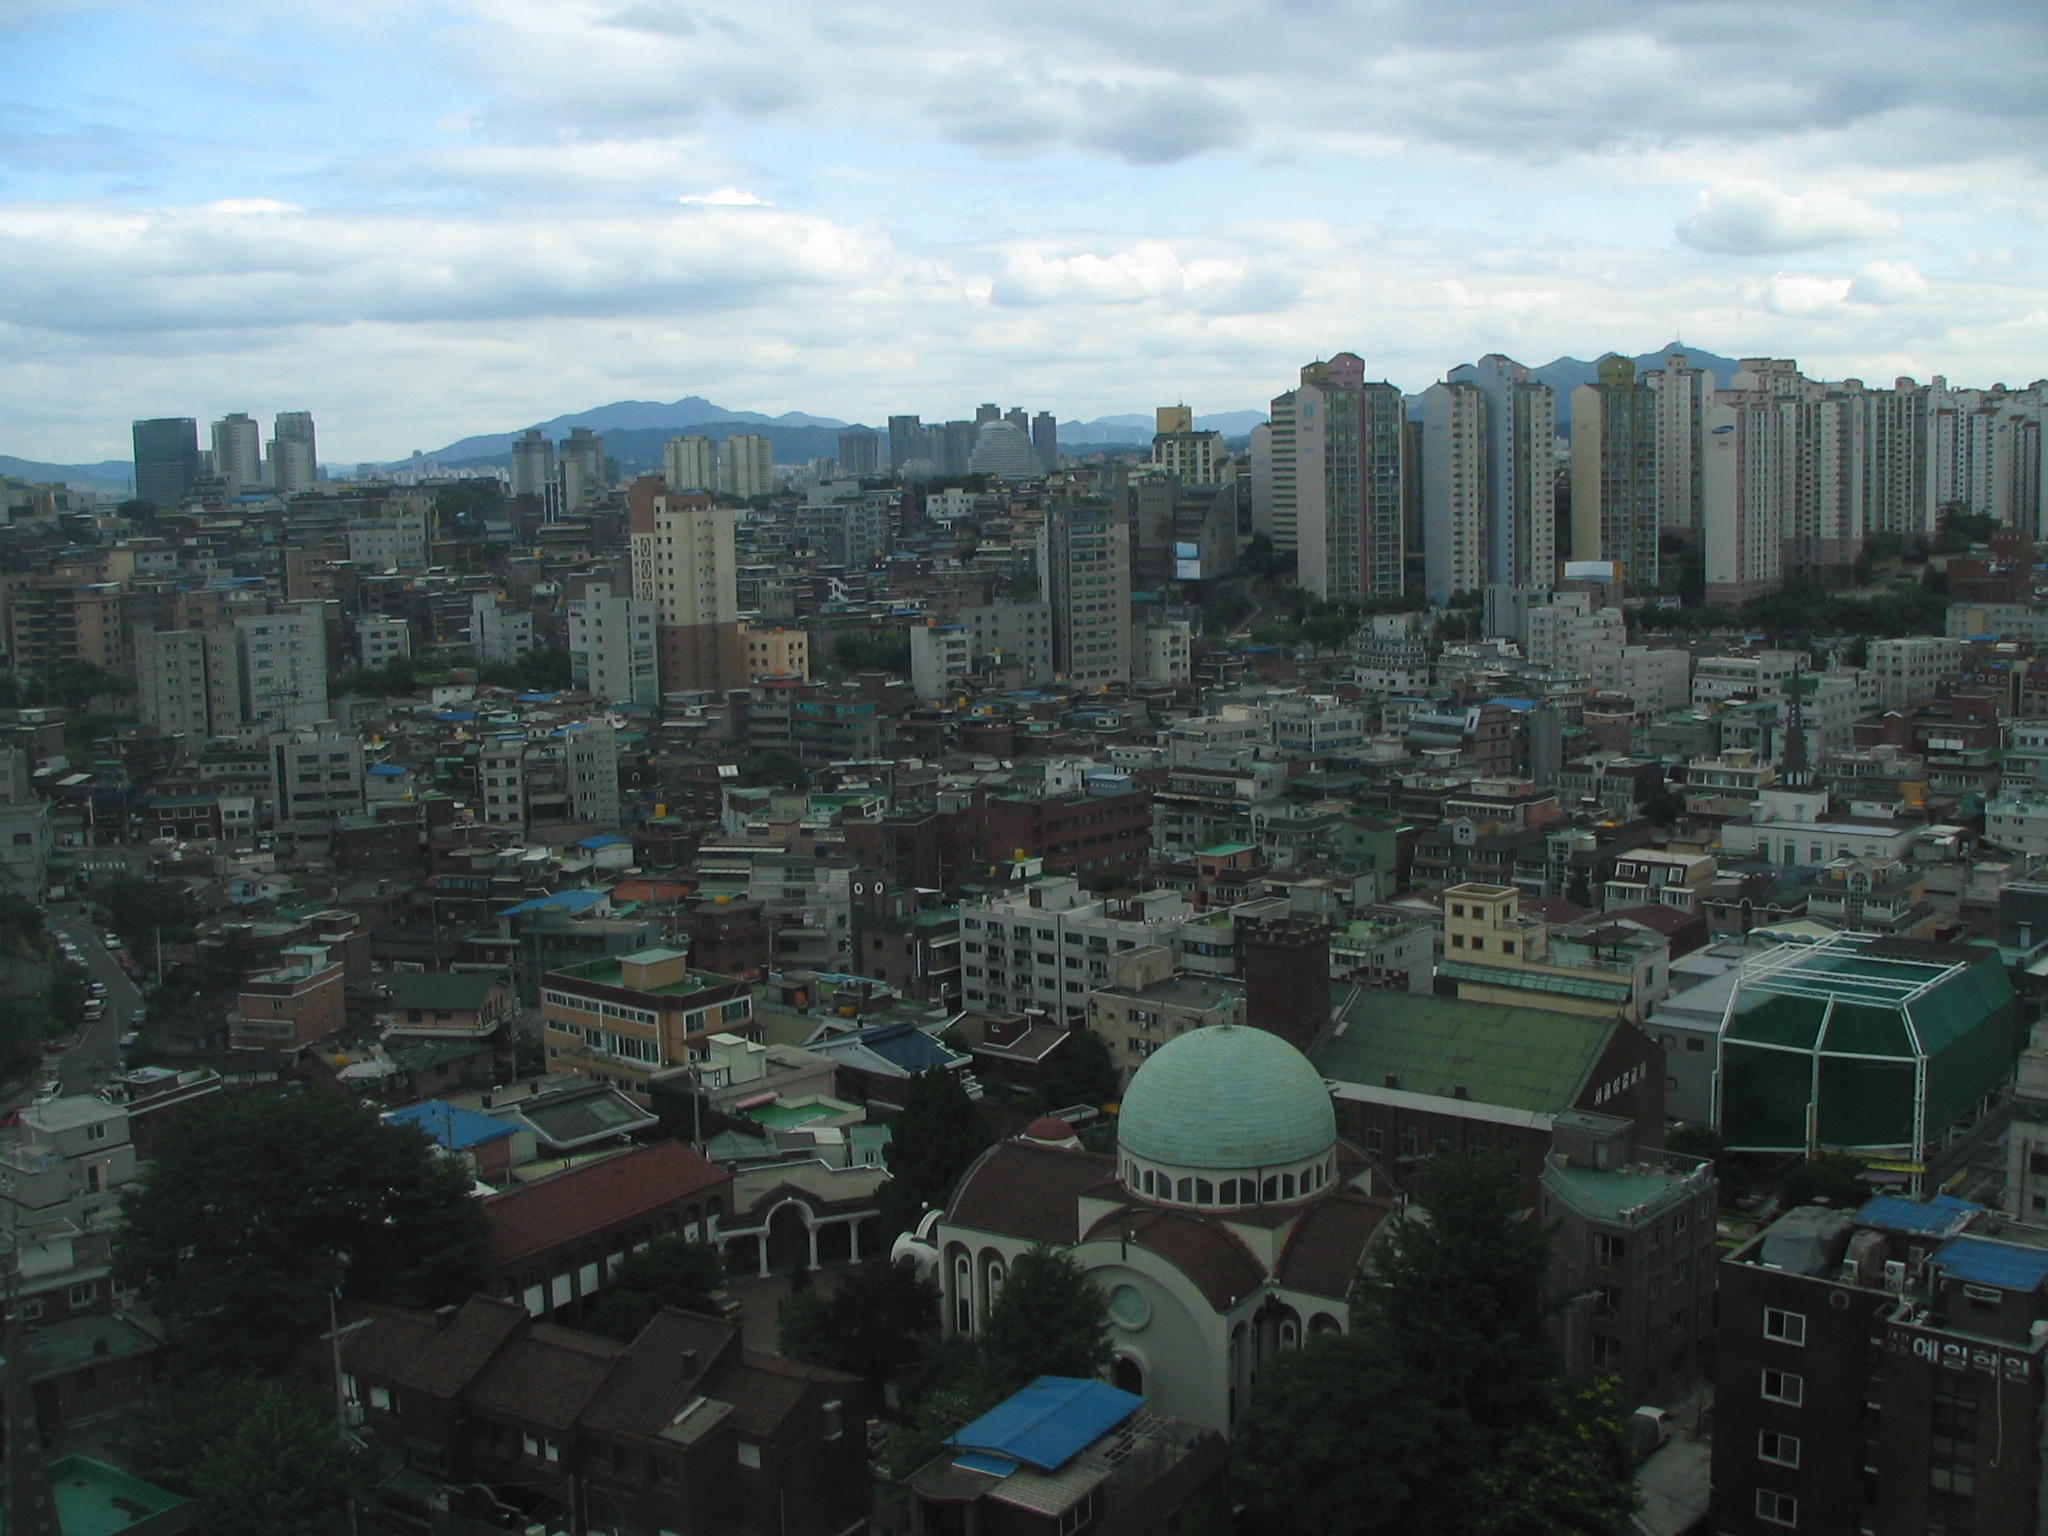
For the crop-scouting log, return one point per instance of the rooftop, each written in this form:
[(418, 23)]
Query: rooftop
[(94, 1499), (1517, 1058), (439, 991), (1045, 1425), (1987, 1262), (456, 1129)]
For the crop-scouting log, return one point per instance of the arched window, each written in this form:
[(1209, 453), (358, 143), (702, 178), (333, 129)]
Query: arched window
[(1271, 1189), (1205, 1192), (995, 1282), (1290, 1334), (1186, 1191), (1286, 1186), (963, 1295), (1150, 1182), (1227, 1194), (1128, 1375)]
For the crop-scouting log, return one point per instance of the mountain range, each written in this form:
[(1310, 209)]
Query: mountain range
[(634, 430)]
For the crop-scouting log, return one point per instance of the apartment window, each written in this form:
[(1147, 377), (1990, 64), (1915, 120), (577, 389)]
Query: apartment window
[(1609, 1250), (1778, 1508), (1785, 1327), (1784, 1387), (1774, 1447), (84, 1295), (96, 1132), (1606, 1353)]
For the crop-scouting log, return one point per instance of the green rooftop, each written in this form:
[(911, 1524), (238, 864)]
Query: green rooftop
[(1605, 1195), (609, 973), (94, 1499), (439, 991), (1516, 1058), (1223, 850)]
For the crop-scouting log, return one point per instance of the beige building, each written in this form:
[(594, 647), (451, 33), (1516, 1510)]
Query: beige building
[(777, 652), (684, 567), (746, 466), (1147, 1004), (690, 464), (1908, 669), (170, 681), (1495, 953), (296, 1004), (624, 1018)]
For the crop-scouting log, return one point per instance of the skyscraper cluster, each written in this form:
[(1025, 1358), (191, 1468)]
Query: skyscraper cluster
[(170, 465), (1010, 444)]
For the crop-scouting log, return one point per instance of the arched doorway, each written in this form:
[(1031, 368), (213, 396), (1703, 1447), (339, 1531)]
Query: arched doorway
[(789, 1238), (1127, 1375)]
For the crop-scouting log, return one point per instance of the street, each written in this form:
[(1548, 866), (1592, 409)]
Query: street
[(98, 1050)]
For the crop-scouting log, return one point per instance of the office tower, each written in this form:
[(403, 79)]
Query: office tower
[(1085, 571), (952, 447), (690, 464), (1002, 450), (497, 634), (1520, 470), (612, 646), (987, 412), (1333, 479), (684, 568), (280, 662), (1615, 482), (238, 452), (1019, 418), (860, 452), (294, 456), (592, 752), (1045, 441), (170, 681), (1683, 395), (746, 466), (166, 460), (533, 463), (579, 461), (1454, 442), (905, 441)]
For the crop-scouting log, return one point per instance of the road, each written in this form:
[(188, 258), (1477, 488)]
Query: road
[(99, 1051)]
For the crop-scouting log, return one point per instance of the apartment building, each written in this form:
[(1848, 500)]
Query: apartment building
[(381, 640), (501, 779), (1147, 1002), (1087, 566), (684, 567), (612, 646), (1909, 669), (1048, 944), (291, 1006), (623, 1018)]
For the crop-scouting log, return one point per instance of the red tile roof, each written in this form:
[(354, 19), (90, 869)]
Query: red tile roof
[(547, 1378), (1024, 1189), (1323, 1251), (468, 1342), (594, 1197), (1222, 1268)]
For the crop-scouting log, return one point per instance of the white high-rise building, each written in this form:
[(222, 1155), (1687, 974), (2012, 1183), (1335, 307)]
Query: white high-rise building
[(612, 646), (294, 456), (684, 568), (533, 463), (579, 462), (746, 466), (238, 452), (282, 664), (1454, 479), (501, 779), (1520, 470), (1744, 497), (1683, 395), (498, 634), (170, 681), (1335, 475), (690, 464)]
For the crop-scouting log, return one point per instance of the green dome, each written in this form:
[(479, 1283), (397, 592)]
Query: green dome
[(1228, 1096)]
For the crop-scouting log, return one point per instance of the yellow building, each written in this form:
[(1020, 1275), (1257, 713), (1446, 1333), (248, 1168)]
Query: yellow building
[(623, 1018), (777, 652)]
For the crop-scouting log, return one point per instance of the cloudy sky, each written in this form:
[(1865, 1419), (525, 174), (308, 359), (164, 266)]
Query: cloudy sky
[(422, 220)]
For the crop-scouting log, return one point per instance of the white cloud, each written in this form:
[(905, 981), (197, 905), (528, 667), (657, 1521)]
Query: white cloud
[(728, 197), (1748, 218), (1889, 282), (1798, 293), (251, 205)]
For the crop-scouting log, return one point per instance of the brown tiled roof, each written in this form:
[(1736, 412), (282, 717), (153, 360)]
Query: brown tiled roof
[(1322, 1252), (391, 1344), (547, 1378), (465, 1345), (1554, 910), (657, 1376), (595, 1196), (1200, 1247), (1025, 1190), (766, 1389)]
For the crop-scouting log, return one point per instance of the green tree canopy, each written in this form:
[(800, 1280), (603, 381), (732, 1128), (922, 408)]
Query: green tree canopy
[(938, 1134), (668, 1272), (878, 1322), (253, 1207), (138, 909), (869, 650), (1049, 1319), (1447, 1377), (1079, 1072)]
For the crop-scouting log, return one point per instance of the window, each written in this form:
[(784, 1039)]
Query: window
[(1784, 1387), (1077, 1515), (1606, 1353), (1609, 1250), (1785, 1327), (750, 1455), (1774, 1447), (1695, 1043), (96, 1132), (84, 1295), (1778, 1508)]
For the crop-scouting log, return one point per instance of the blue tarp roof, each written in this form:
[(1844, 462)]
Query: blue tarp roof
[(1986, 1262), (1939, 1217), (454, 1128), (566, 901), (1047, 1424), (387, 770), (454, 716), (535, 698), (604, 840), (906, 1046)]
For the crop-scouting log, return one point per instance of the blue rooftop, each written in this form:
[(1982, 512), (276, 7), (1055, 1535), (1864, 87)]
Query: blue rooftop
[(387, 770), (561, 901), (1985, 1262), (1942, 1216), (456, 1129), (604, 840), (1046, 1425), (906, 1046), (535, 698), (454, 716)]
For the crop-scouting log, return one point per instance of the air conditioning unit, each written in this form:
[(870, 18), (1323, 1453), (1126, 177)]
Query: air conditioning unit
[(1894, 1275)]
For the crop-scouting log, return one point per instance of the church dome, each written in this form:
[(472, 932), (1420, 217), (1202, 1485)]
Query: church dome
[(1228, 1097)]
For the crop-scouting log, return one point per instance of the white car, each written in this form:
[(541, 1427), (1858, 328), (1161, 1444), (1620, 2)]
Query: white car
[(98, 989)]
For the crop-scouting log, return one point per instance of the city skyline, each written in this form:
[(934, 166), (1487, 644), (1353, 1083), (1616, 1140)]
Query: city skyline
[(474, 213)]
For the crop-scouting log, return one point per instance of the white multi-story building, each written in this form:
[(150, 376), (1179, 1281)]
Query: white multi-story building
[(1453, 489), (1047, 945), (684, 567), (2018, 823), (1315, 725), (397, 541), (1721, 677), (381, 640), (940, 656), (1393, 654), (746, 466), (238, 452), (316, 775), (1566, 636), (1010, 633), (1793, 827), (1908, 669), (690, 464), (281, 662), (612, 646), (498, 634), (1163, 653), (501, 779), (170, 681), (1658, 680), (24, 830)]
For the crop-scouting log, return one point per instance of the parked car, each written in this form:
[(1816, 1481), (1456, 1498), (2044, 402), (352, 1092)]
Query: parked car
[(138, 1016), (98, 989)]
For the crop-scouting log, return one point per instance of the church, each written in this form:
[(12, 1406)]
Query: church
[(1229, 1221)]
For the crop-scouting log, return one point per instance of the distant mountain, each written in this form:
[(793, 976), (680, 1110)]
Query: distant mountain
[(637, 451), (692, 411), (107, 475), (1567, 373), (1139, 429)]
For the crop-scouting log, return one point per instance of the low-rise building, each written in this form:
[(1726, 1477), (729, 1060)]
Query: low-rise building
[(621, 1019), (292, 1006), (1148, 1003)]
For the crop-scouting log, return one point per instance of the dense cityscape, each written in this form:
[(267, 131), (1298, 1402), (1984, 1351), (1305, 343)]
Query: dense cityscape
[(1457, 962)]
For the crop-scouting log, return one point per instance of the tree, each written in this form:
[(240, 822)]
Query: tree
[(1833, 1178), (1448, 1371), (1079, 1072), (138, 909), (258, 1458), (1049, 1319), (254, 1207), (860, 650), (803, 1330), (933, 1141), (668, 1272), (880, 1320)]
